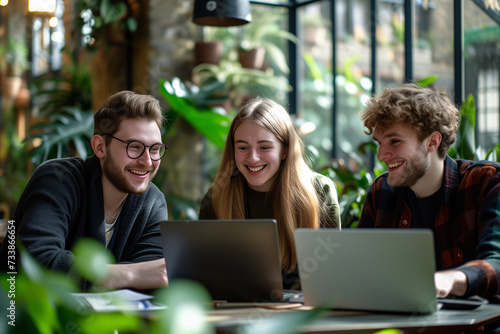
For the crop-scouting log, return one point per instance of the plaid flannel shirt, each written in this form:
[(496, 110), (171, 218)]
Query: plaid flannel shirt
[(467, 228)]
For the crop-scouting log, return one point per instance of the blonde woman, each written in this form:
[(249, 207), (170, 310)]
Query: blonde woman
[(263, 175)]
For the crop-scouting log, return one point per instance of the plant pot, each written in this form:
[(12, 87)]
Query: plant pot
[(208, 52), (253, 58), (11, 87)]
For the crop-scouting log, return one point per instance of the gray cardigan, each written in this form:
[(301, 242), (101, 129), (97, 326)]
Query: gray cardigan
[(63, 202)]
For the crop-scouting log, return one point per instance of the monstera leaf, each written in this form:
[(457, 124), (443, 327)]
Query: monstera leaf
[(63, 134)]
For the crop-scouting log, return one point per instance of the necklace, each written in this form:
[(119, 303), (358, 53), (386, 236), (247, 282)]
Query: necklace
[(117, 210), (110, 216)]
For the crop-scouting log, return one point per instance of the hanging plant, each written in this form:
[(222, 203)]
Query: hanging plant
[(109, 19)]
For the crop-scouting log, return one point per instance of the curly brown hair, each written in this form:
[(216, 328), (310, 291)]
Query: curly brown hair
[(424, 109)]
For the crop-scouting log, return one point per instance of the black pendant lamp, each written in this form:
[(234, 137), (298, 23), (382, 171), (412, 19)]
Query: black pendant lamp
[(221, 13)]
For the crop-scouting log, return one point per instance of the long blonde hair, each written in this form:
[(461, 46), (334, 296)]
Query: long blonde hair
[(295, 203)]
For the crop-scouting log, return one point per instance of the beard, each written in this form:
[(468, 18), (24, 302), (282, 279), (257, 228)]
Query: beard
[(416, 167), (117, 177)]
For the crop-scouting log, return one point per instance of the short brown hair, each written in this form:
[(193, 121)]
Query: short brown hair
[(424, 109), (123, 105)]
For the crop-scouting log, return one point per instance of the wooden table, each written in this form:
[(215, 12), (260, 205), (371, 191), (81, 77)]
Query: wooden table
[(228, 320)]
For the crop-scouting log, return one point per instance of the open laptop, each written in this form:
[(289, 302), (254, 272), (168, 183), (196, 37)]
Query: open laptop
[(236, 260), (388, 270)]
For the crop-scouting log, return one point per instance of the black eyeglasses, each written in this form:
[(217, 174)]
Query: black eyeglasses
[(136, 148)]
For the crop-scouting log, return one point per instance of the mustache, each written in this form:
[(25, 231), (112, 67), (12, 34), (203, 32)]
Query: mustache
[(150, 169)]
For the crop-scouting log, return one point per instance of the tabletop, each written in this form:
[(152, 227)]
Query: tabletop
[(228, 320)]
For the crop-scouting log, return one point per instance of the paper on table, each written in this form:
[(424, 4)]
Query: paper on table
[(119, 300)]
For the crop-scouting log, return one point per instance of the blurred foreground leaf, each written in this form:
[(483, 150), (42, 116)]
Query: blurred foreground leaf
[(286, 323), (187, 305), (92, 259)]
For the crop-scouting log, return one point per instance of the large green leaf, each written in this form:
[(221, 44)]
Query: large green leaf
[(465, 145), (212, 125), (494, 154), (426, 81), (104, 323)]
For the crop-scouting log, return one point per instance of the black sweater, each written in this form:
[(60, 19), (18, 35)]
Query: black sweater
[(63, 202)]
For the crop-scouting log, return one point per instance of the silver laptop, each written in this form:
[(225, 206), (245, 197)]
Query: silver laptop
[(236, 260), (389, 270)]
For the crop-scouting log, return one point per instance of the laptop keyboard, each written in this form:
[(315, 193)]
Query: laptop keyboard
[(461, 303), (293, 296)]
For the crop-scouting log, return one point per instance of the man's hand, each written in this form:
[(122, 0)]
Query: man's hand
[(142, 276), (450, 283)]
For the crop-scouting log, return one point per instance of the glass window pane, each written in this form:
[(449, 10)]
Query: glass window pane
[(315, 87), (390, 43), (482, 79), (57, 36), (353, 84), (315, 111), (433, 43), (47, 42), (273, 2)]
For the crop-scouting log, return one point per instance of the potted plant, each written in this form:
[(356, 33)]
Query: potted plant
[(259, 42), (65, 121), (214, 44), (14, 62), (240, 82)]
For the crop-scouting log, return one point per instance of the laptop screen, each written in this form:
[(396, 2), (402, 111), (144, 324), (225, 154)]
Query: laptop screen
[(368, 269), (236, 260)]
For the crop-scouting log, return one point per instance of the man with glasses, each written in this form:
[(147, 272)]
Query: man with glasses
[(108, 197)]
